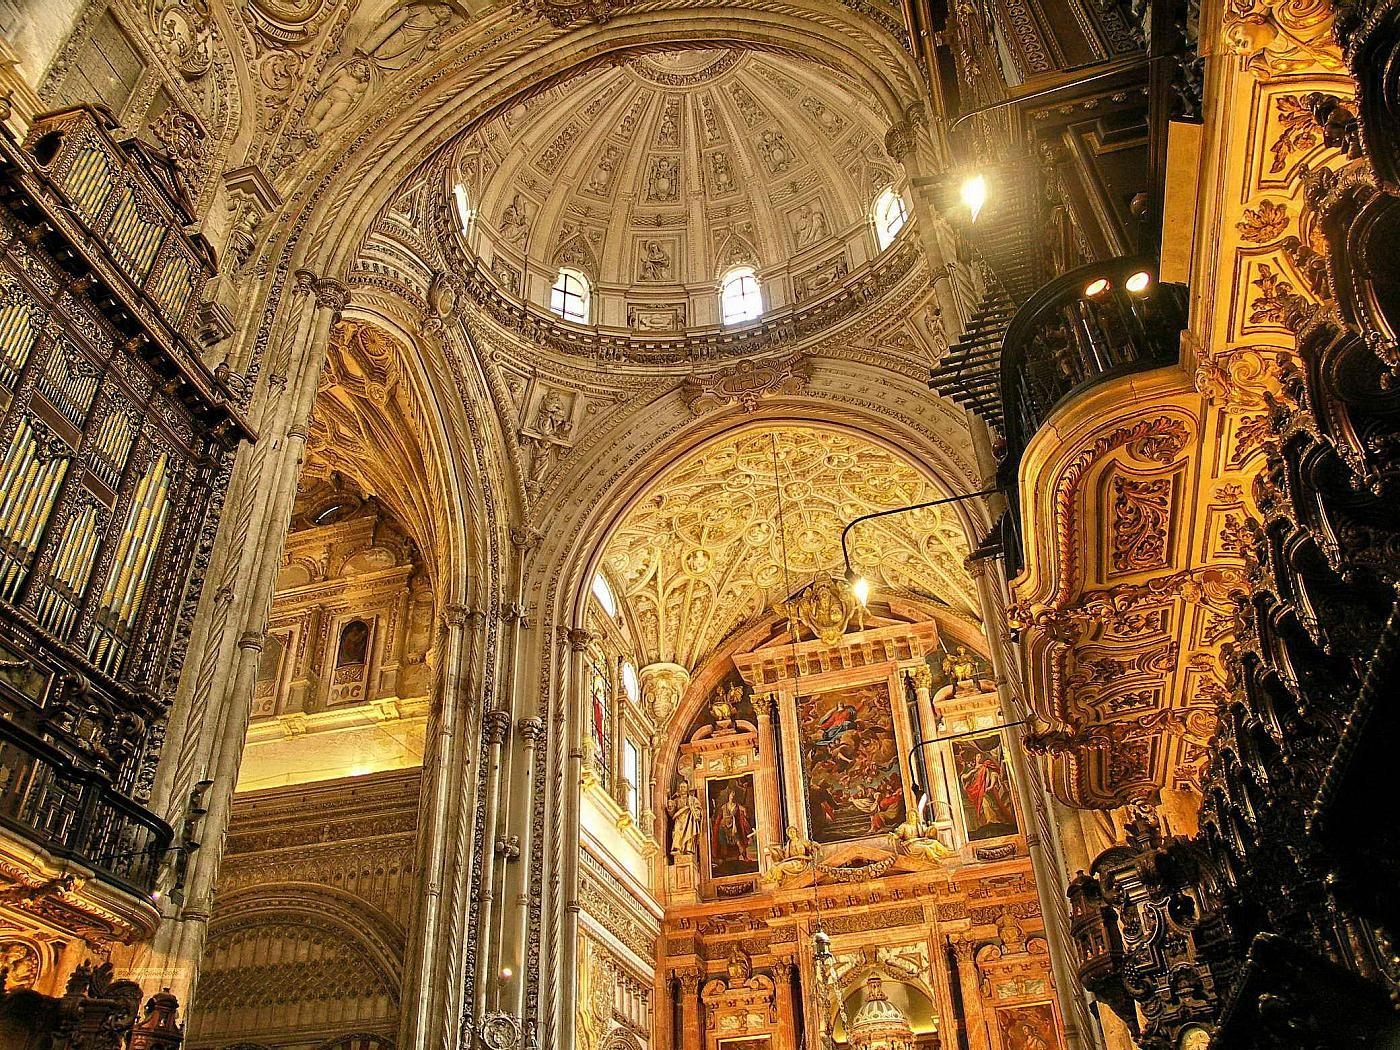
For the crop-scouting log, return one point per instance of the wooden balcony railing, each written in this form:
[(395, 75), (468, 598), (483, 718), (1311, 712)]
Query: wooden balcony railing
[(1090, 324)]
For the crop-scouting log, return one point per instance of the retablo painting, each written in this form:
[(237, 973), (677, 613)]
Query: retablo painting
[(851, 758), (1028, 1027), (732, 833), (984, 787)]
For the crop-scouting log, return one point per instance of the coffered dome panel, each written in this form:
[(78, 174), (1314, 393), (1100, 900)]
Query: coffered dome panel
[(655, 176)]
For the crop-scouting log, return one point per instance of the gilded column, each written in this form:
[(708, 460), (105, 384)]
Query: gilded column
[(787, 1009), (974, 1011), (691, 1027)]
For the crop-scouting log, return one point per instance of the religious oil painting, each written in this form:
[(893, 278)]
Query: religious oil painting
[(851, 759), (732, 833), (984, 787), (1028, 1027)]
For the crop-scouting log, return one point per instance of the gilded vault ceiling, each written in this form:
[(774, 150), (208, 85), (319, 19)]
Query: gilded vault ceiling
[(702, 553), (655, 175)]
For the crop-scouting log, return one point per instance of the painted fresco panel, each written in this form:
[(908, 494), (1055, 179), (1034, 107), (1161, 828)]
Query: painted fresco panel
[(1028, 1027), (732, 831), (851, 760), (984, 787)]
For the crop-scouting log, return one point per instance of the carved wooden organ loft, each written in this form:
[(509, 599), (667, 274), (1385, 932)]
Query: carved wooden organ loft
[(1275, 924), (116, 442)]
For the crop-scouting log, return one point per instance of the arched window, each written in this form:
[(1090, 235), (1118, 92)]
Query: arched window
[(739, 297), (569, 296), (464, 207), (604, 594), (630, 684), (889, 215)]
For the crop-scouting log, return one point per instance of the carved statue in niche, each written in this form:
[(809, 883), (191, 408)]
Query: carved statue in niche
[(723, 706), (811, 225), (739, 968), (551, 418), (243, 230), (340, 95), (407, 34), (515, 220), (960, 668), (794, 857), (685, 809), (656, 262)]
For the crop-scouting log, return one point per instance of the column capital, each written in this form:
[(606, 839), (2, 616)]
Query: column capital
[(532, 729), (578, 638), (497, 725)]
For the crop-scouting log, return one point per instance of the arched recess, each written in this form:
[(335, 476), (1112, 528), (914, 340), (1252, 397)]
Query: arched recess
[(584, 519), (279, 951)]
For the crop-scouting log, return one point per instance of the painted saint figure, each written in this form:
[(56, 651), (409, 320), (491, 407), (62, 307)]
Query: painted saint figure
[(985, 789), (731, 832)]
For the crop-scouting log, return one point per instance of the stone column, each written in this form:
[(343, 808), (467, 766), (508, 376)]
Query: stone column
[(209, 719), (1034, 800), (432, 989)]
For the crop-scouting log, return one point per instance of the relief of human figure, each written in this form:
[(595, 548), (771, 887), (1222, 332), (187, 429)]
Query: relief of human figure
[(340, 95), (407, 34)]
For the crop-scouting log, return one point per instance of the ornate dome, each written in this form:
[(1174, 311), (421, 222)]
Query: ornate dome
[(879, 1024), (655, 176)]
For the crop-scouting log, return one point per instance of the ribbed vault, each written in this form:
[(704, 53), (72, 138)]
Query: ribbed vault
[(702, 552)]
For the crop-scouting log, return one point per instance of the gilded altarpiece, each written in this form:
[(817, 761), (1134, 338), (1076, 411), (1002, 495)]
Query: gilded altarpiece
[(940, 907)]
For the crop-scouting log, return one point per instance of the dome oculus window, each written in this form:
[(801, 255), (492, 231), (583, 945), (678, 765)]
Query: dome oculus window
[(890, 217), (569, 296), (739, 297)]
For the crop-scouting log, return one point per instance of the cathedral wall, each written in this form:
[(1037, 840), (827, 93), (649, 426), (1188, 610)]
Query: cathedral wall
[(315, 898)]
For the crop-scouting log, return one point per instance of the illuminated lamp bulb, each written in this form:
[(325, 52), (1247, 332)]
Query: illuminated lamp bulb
[(861, 589), (1096, 288), (1138, 282), (974, 194)]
